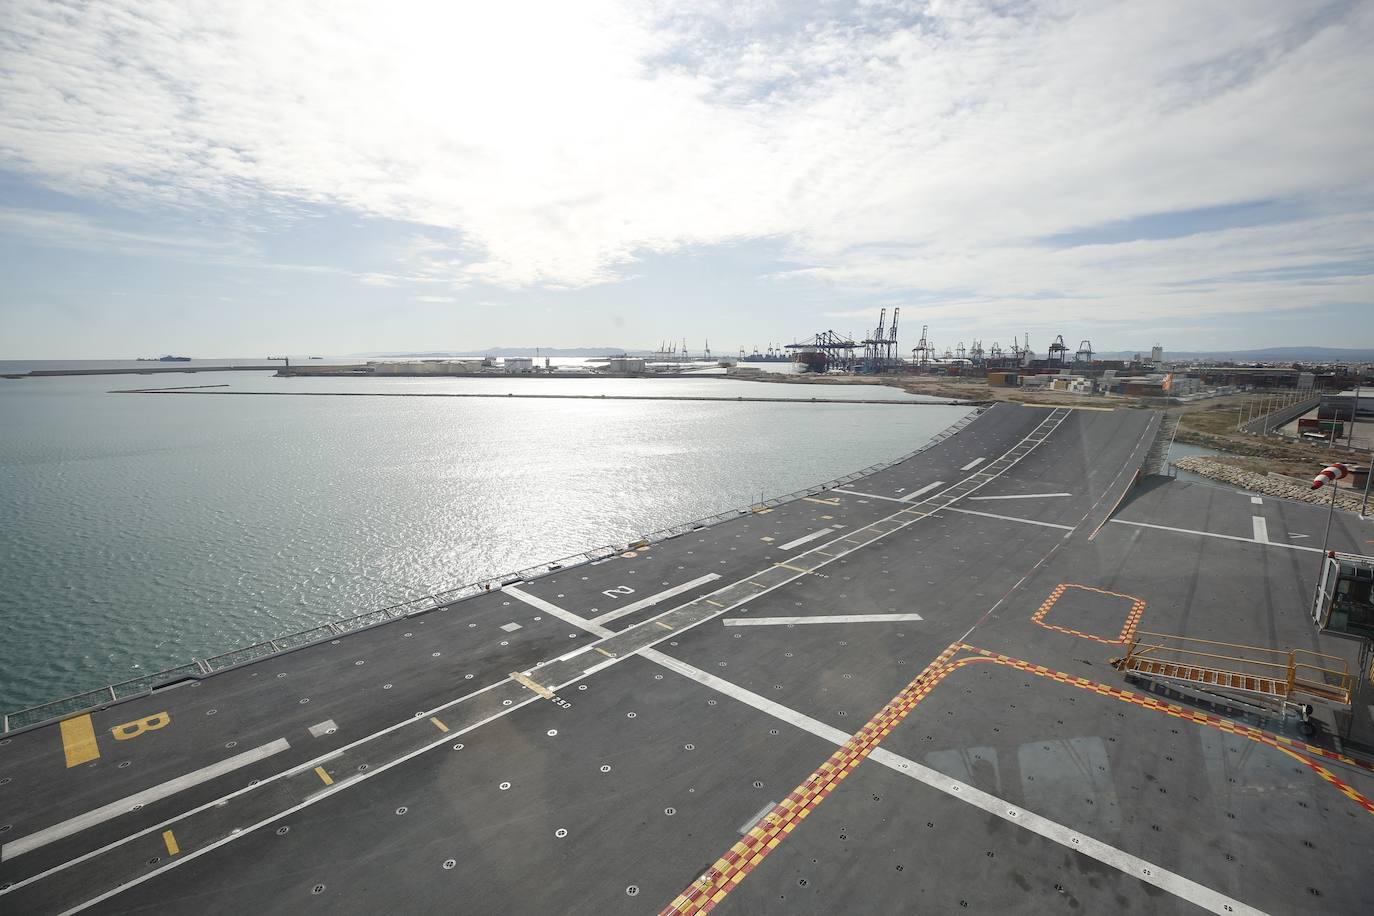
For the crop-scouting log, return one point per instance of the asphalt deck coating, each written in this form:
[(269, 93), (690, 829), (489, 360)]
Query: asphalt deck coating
[(625, 784)]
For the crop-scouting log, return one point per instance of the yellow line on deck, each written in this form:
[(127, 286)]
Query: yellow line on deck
[(716, 603), (604, 652), (170, 839), (437, 724), (324, 777), (664, 625), (793, 568), (538, 688), (78, 740), (823, 502), (757, 584)]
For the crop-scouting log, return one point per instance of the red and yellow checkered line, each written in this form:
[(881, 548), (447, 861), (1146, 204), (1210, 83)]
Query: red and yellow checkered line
[(1127, 629), (730, 869), (718, 880)]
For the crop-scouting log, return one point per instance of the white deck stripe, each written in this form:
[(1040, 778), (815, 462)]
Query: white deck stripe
[(1011, 518), (972, 464), (891, 499), (906, 497), (1023, 496), (664, 595), (807, 538), (147, 796), (1124, 862), (566, 616), (1208, 534), (817, 618), (1261, 529)]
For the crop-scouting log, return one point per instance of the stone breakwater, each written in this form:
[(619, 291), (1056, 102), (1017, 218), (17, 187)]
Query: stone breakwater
[(1268, 486)]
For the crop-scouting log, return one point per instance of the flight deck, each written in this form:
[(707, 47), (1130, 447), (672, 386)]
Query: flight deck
[(893, 695)]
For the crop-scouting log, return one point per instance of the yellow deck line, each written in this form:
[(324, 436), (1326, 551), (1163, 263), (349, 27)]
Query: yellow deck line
[(170, 839), (823, 502), (604, 652), (324, 777), (78, 740), (664, 625), (437, 724), (524, 681), (793, 568), (716, 603), (757, 584)]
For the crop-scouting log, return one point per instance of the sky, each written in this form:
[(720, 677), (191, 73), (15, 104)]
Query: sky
[(234, 179)]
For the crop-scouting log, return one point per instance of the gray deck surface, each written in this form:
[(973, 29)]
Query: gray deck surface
[(1028, 776)]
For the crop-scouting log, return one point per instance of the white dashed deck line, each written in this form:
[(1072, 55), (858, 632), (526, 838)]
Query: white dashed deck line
[(1261, 528), (908, 497), (808, 538), (1023, 496), (1209, 534), (818, 618), (320, 729), (510, 627), (565, 616), (973, 464), (650, 601), (1011, 518), (147, 796)]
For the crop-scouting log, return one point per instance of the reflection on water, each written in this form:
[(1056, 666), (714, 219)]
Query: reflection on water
[(142, 530)]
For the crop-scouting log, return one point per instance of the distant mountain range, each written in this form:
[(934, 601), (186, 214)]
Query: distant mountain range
[(1267, 355), (508, 351)]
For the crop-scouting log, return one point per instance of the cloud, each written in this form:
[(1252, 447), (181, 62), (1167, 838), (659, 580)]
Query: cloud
[(925, 152), (435, 299)]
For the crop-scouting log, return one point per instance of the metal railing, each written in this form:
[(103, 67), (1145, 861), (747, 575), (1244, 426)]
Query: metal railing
[(145, 684), (1290, 671)]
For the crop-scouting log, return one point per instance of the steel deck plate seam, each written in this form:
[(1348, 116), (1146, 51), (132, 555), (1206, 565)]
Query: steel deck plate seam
[(728, 871)]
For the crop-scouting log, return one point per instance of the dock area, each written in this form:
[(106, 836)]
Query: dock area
[(895, 694)]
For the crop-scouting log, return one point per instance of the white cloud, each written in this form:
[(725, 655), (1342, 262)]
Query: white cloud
[(553, 144), (435, 299)]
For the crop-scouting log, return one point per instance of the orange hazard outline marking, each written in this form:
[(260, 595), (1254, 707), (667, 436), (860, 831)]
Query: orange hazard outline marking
[(1127, 629), (712, 886)]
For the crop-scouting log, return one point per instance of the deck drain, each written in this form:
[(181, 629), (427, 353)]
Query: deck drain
[(505, 702), (402, 810), (689, 747), (362, 767), (304, 700), (670, 811), (125, 764), (227, 744), (317, 889), (581, 686), (632, 890), (211, 712), (758, 784), (281, 674), (457, 747), (467, 677), (450, 863), (552, 732), (772, 731), (629, 715), (386, 686), (154, 860), (283, 831), (504, 786), (658, 677), (435, 654), (359, 662), (710, 702), (605, 767), (561, 832)]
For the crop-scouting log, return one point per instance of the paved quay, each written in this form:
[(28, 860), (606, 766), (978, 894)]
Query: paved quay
[(891, 696)]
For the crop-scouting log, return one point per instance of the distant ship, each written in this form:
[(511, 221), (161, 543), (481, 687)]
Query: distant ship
[(164, 359)]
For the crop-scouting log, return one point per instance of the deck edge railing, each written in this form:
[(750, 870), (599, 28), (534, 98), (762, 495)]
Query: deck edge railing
[(34, 716)]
